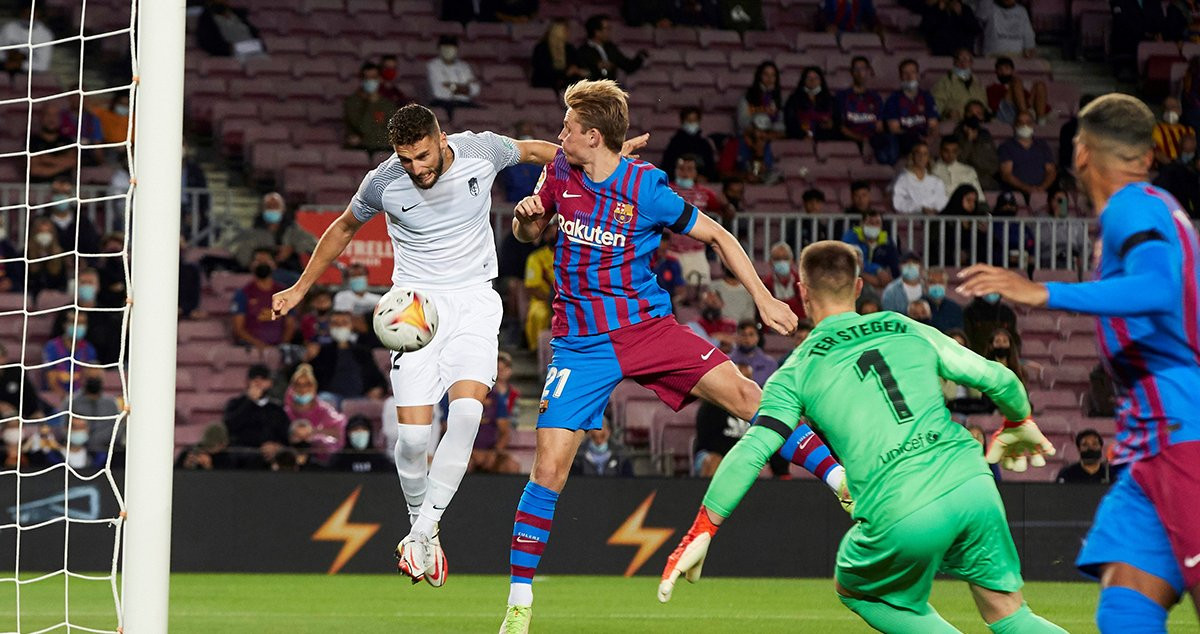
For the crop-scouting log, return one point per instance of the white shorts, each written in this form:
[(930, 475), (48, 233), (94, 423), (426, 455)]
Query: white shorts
[(463, 349)]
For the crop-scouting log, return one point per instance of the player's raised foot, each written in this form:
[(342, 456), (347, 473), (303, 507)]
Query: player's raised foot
[(436, 569), (413, 555), (516, 619)]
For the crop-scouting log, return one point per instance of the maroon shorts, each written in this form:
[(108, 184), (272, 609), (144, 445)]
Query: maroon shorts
[(1171, 480)]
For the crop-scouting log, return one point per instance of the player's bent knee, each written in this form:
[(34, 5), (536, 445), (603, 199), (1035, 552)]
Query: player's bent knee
[(1128, 611)]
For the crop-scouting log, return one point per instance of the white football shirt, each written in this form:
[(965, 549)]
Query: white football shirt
[(442, 236)]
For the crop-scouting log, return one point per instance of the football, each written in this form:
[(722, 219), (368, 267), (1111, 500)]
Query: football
[(405, 320)]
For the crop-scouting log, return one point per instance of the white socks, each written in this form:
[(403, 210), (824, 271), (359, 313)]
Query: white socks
[(411, 465), (449, 462), (520, 594)]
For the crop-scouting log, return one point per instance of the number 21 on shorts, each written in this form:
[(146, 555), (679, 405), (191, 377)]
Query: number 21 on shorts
[(556, 381)]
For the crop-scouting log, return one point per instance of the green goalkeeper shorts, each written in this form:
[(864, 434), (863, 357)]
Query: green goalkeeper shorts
[(964, 534)]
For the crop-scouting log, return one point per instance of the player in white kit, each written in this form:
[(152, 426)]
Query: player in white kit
[(435, 194)]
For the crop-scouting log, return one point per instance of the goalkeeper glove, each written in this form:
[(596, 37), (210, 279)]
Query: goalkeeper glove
[(1014, 441), (688, 557), (844, 497)]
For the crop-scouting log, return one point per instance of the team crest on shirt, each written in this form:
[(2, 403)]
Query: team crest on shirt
[(543, 405), (623, 213), (473, 185)]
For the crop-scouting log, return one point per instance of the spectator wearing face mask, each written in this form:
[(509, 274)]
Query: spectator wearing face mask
[(601, 455), (958, 86), (1181, 177), (784, 278), (945, 314), (75, 450), (301, 403), (357, 300), (1004, 349), (253, 324), (1169, 133), (1092, 468), (345, 368), (45, 164), (976, 147), (365, 113), (1027, 164), (49, 262), (1008, 97), (690, 140), (359, 454), (451, 80), (67, 222), (715, 325), (881, 257), (275, 229), (314, 324), (253, 418), (687, 170), (62, 376), (748, 351), (908, 288), (104, 327), (98, 409), (520, 179), (809, 111), (114, 118), (910, 113), (388, 88), (983, 316)]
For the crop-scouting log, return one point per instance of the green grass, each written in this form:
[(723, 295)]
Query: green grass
[(362, 604)]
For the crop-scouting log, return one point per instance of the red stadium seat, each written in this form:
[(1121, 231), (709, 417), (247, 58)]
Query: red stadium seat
[(817, 42), (766, 43), (860, 43), (719, 39), (704, 58)]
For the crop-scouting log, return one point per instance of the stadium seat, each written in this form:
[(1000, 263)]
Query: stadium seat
[(704, 58), (719, 39), (639, 421), (1072, 375), (203, 330), (860, 43), (680, 37), (369, 408)]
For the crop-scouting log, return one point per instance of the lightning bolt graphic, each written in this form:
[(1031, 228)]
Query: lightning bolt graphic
[(631, 533), (339, 528), (414, 315)]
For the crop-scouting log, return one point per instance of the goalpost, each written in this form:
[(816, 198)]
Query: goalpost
[(138, 518)]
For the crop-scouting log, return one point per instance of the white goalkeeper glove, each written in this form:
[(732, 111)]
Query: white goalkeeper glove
[(1017, 445), (688, 557)]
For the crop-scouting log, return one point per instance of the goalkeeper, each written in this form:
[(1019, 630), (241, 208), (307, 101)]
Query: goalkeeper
[(925, 499)]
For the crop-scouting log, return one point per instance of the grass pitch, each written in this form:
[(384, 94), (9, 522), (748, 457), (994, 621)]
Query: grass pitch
[(363, 604)]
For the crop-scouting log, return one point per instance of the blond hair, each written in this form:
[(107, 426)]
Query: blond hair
[(304, 371), (601, 105)]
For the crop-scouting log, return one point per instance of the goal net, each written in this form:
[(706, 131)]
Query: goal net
[(68, 95)]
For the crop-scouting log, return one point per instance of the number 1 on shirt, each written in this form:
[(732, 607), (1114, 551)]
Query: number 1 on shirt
[(872, 360)]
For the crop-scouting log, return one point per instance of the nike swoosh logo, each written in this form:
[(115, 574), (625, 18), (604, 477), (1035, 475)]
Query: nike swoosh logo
[(438, 508), (1191, 562), (804, 443), (708, 354), (525, 540), (404, 209), (570, 195)]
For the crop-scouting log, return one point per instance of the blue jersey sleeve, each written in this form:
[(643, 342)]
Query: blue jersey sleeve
[(239, 303), (663, 206), (1150, 280), (891, 108)]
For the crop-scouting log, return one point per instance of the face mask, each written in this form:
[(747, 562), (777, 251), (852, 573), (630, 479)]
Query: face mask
[(812, 92), (691, 128), (12, 437), (962, 73), (1089, 455), (388, 74), (1186, 157), (272, 216), (121, 111), (991, 298), (341, 335), (1024, 132), (1171, 117), (937, 292), (599, 449), (93, 386), (686, 183), (79, 438), (711, 314), (370, 86), (262, 271), (302, 399), (909, 86), (1004, 79), (358, 284), (870, 232), (448, 53), (87, 292), (44, 239), (360, 439), (263, 401), (910, 272), (1060, 208), (781, 267), (78, 332), (999, 353), (63, 205)]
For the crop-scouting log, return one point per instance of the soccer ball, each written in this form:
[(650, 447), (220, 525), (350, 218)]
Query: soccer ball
[(405, 320)]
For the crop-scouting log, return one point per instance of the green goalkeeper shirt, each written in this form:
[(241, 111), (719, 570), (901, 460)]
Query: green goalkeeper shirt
[(870, 384)]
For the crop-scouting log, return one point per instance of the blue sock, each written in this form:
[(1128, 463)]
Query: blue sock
[(1128, 611), (531, 531)]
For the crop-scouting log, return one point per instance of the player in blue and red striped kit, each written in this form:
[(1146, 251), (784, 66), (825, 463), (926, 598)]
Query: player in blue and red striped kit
[(611, 318), (1144, 544)]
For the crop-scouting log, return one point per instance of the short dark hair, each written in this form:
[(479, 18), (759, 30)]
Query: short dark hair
[(813, 194), (595, 23), (1004, 61), (830, 267), (905, 62), (688, 157), (1117, 119), (687, 111), (366, 66), (747, 323), (949, 139), (258, 371), (448, 40), (859, 184), (388, 57), (412, 123), (267, 250), (1084, 433), (859, 58), (911, 256)]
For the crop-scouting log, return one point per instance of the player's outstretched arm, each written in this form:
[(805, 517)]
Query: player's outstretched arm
[(529, 219), (331, 245), (774, 313)]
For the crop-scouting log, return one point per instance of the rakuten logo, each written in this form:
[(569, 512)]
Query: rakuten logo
[(580, 233)]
